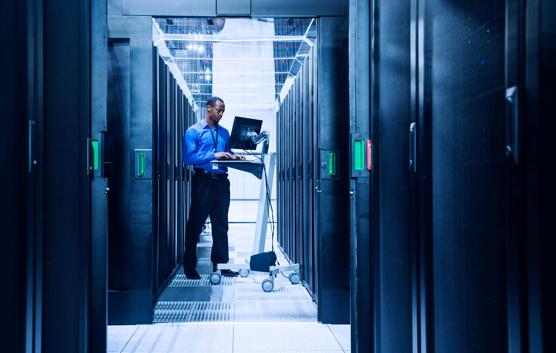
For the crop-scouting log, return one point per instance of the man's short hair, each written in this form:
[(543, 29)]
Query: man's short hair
[(212, 101)]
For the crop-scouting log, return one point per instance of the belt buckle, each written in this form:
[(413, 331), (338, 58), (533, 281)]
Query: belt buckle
[(213, 175)]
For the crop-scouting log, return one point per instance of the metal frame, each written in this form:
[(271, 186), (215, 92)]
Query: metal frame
[(258, 8)]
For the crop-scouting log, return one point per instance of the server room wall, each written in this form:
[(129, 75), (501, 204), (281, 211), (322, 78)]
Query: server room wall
[(312, 220)]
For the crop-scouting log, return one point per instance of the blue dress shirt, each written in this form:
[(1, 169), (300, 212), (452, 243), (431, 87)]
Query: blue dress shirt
[(199, 148)]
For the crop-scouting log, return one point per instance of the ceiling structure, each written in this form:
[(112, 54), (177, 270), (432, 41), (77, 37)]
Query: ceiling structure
[(186, 44)]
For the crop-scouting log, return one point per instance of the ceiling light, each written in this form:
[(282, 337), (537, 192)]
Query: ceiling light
[(207, 77)]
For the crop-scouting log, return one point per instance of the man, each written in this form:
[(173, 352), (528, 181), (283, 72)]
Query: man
[(210, 191)]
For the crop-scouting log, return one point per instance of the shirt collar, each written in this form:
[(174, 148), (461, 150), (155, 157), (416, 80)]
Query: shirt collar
[(204, 124)]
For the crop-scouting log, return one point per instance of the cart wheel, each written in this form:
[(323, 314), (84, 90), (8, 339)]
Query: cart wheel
[(295, 278), (215, 278), (244, 272), (268, 284)]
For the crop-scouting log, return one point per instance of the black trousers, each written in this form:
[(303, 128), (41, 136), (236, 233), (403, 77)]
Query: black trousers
[(210, 196)]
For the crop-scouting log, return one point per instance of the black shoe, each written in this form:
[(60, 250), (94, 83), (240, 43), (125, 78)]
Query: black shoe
[(228, 273), (192, 274)]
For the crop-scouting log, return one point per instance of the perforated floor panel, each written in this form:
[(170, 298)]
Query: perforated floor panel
[(233, 299), (192, 311)]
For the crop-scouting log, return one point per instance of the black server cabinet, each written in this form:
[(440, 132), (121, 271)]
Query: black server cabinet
[(19, 207), (147, 200), (170, 184), (129, 146), (290, 172), (332, 140), (120, 256), (306, 178), (463, 176), (471, 115), (173, 116), (389, 237), (160, 190), (313, 184), (297, 129)]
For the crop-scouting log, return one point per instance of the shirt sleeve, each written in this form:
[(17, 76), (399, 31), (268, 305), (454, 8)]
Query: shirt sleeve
[(191, 153)]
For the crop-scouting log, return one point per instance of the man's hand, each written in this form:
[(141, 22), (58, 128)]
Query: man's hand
[(223, 155), (227, 155)]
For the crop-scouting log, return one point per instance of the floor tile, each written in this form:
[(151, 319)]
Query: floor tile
[(273, 337), (119, 336), (189, 337), (275, 311), (343, 335)]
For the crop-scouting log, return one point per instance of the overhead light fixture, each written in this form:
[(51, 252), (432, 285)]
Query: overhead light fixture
[(208, 77)]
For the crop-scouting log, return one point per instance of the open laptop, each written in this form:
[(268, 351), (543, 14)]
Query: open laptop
[(241, 135)]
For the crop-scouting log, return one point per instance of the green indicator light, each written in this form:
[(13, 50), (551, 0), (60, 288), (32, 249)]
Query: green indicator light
[(359, 155), (331, 164), (141, 164), (94, 145)]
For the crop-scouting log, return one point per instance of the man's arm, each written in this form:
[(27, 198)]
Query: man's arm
[(191, 155)]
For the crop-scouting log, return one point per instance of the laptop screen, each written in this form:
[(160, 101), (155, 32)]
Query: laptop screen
[(242, 131)]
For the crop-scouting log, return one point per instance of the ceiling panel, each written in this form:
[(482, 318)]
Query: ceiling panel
[(190, 45)]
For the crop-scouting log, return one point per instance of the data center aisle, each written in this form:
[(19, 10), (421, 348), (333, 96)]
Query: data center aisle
[(233, 316), (233, 299)]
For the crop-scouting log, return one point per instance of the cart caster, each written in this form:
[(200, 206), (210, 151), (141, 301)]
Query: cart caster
[(215, 278), (268, 284), (244, 272), (295, 278)]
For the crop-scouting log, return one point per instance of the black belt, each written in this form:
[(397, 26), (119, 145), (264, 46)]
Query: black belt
[(212, 175)]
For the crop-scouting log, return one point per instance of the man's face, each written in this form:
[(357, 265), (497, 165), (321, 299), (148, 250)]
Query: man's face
[(216, 111)]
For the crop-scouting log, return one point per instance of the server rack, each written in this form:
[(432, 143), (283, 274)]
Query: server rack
[(159, 207), (148, 183), (463, 233), (452, 75), (312, 183), (172, 184)]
